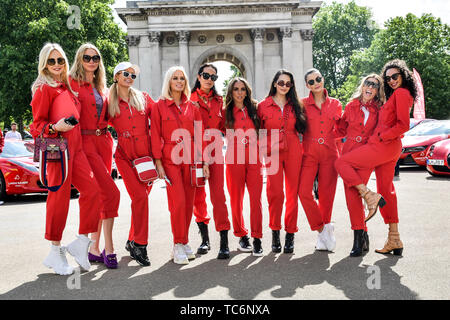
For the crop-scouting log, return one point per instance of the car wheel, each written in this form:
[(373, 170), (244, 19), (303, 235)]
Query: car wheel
[(2, 187)]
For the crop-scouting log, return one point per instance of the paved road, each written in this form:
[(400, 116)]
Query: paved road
[(422, 273)]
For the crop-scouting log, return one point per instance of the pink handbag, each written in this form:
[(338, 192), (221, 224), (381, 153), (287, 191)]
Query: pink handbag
[(145, 169), (197, 176)]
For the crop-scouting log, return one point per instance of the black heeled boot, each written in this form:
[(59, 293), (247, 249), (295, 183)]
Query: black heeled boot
[(224, 252), (358, 243), (276, 245), (366, 241), (289, 243), (204, 246)]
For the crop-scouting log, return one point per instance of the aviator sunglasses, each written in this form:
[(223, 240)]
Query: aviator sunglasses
[(288, 84), (52, 62), (126, 74), (372, 84), (393, 77), (318, 80), (206, 76), (87, 58)]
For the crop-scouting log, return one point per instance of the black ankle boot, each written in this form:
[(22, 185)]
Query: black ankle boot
[(139, 252), (204, 246), (289, 243), (358, 243), (224, 252), (366, 241), (276, 245)]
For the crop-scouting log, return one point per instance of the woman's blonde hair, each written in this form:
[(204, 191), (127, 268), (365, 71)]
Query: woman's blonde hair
[(78, 73), (136, 99), (380, 95), (44, 76), (166, 91)]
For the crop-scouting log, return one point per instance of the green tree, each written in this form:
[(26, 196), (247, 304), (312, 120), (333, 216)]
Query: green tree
[(236, 73), (25, 26), (423, 42), (339, 30)]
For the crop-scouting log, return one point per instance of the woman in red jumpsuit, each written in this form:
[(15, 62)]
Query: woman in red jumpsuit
[(210, 105), (357, 125), (88, 79), (243, 166), (383, 150), (319, 154), (174, 121), (282, 111), (52, 82), (129, 111)]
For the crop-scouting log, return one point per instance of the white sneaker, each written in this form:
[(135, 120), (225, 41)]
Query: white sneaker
[(328, 238), (179, 255), (57, 261), (79, 250), (189, 253), (320, 246)]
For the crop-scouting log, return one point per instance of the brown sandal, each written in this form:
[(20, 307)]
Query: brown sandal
[(373, 208)]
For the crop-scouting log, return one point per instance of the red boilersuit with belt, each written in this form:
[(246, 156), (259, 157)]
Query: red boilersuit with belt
[(243, 168), (211, 110), (166, 118), (319, 154), (381, 152), (357, 134), (79, 173), (132, 130), (290, 161), (98, 145)]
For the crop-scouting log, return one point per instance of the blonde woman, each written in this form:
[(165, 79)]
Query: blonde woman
[(129, 111), (357, 125), (174, 111), (88, 79), (53, 81)]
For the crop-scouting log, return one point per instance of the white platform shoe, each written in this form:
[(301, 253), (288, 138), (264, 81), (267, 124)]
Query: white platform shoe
[(57, 261), (79, 250)]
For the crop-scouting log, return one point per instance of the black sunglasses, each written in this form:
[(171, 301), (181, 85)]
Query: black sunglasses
[(126, 74), (52, 62), (393, 77), (288, 84), (87, 58), (372, 84), (206, 76), (318, 80)]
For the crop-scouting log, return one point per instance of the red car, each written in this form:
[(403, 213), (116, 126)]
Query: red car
[(438, 158), (418, 140)]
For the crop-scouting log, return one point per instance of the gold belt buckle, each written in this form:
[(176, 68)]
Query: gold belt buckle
[(98, 132)]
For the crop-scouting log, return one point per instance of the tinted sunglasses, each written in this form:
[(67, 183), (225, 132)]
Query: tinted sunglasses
[(372, 84), (393, 77), (318, 80), (206, 76), (126, 74), (52, 62), (288, 84), (87, 58)]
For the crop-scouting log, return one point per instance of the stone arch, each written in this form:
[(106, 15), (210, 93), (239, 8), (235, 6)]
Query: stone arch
[(224, 53)]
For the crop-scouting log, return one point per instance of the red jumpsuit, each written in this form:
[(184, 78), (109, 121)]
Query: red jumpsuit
[(134, 142), (381, 152), (211, 110), (320, 153), (165, 119), (357, 133), (79, 174), (98, 146), (2, 141), (290, 161), (243, 168)]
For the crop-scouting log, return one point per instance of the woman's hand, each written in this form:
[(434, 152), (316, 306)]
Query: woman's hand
[(206, 171), (160, 169), (61, 126)]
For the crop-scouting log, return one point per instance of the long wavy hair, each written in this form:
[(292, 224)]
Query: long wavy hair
[(200, 71), (380, 97), (78, 73), (249, 103), (408, 81), (300, 118)]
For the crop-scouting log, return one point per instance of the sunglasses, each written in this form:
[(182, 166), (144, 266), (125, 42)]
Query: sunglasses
[(206, 76), (52, 62), (372, 84), (393, 77), (318, 80), (126, 74), (87, 58), (288, 84)]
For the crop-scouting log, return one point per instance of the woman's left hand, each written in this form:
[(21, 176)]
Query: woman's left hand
[(206, 171)]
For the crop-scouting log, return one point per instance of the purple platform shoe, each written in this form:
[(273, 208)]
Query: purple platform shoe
[(110, 260), (94, 258)]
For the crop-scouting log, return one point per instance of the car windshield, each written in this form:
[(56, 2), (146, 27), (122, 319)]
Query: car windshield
[(14, 149), (430, 128)]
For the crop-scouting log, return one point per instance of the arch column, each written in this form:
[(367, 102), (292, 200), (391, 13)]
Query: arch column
[(133, 53), (183, 37), (257, 35), (285, 34), (155, 56)]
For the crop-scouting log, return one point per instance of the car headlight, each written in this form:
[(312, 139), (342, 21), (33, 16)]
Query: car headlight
[(414, 149), (24, 165)]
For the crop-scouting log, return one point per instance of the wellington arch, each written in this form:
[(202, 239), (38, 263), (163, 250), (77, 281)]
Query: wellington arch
[(258, 36)]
